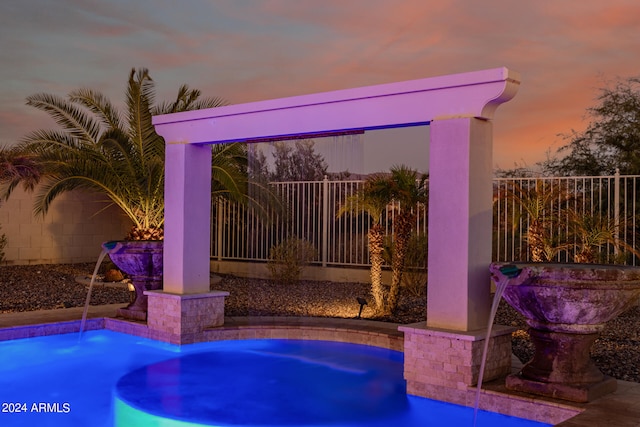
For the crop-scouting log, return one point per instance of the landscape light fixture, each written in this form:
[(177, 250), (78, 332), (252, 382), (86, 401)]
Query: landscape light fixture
[(362, 303)]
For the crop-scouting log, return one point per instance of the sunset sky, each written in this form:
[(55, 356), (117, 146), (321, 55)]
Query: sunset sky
[(249, 50)]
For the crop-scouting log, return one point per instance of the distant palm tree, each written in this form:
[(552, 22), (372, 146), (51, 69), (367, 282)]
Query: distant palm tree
[(409, 191), (16, 168), (541, 205), (372, 199), (591, 231), (98, 148)]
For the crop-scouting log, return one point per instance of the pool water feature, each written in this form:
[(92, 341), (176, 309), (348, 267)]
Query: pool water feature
[(251, 382), (510, 271), (105, 250)]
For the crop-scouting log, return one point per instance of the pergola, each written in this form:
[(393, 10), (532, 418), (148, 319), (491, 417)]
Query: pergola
[(458, 108), (441, 355)]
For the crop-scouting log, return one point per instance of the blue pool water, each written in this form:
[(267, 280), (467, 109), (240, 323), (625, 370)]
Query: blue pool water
[(117, 379)]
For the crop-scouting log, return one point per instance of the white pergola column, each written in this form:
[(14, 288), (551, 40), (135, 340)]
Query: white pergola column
[(460, 222), (187, 214), (185, 307)]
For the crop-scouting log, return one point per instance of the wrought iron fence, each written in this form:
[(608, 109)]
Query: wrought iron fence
[(307, 210)]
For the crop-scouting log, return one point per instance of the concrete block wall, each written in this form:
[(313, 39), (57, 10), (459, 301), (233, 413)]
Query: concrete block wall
[(71, 232)]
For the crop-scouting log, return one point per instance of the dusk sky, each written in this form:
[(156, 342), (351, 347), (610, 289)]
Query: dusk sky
[(250, 50)]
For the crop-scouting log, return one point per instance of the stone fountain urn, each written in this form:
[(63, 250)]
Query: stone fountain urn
[(141, 260), (566, 307)]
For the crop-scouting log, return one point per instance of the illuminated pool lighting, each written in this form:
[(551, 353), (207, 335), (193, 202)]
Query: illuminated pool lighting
[(252, 382)]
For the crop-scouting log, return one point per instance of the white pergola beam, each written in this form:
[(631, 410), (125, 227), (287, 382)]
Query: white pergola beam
[(476, 94)]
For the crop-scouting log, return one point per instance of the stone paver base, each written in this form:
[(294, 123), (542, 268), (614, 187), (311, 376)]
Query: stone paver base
[(178, 319), (441, 364)]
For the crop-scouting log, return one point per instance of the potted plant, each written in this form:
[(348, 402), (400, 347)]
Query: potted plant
[(120, 155)]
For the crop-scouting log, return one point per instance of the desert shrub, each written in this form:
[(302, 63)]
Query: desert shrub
[(288, 259)]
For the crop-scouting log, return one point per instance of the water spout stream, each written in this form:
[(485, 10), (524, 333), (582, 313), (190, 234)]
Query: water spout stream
[(510, 271), (105, 250)]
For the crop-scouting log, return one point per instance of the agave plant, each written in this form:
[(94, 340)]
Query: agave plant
[(120, 155)]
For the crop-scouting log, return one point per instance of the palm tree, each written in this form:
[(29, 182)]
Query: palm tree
[(120, 155), (229, 176), (409, 191), (590, 231), (541, 205), (16, 168), (372, 199)]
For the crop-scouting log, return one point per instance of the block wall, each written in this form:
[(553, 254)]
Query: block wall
[(71, 232)]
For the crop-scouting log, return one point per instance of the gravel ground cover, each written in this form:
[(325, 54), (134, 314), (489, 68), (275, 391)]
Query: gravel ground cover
[(39, 287)]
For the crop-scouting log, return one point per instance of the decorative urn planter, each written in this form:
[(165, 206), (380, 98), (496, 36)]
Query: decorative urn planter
[(566, 307), (141, 260)]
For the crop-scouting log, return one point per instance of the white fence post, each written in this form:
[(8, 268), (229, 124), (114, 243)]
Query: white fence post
[(325, 220), (616, 209), (219, 221)]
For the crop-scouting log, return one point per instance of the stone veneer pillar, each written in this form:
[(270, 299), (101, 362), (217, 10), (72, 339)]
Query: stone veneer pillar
[(442, 355), (185, 307), (181, 319), (443, 364)]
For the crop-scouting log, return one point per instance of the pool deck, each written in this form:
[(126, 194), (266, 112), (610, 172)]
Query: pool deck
[(619, 409)]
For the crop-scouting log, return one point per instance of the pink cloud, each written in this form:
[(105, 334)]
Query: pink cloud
[(247, 51)]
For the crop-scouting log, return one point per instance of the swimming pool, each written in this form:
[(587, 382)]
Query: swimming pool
[(117, 379)]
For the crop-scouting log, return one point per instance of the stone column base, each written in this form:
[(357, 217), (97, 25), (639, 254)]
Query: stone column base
[(180, 319), (132, 314), (581, 393), (443, 364)]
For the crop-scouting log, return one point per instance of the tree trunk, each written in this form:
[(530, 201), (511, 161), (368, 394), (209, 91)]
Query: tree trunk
[(403, 229), (535, 239), (585, 256), (376, 247)]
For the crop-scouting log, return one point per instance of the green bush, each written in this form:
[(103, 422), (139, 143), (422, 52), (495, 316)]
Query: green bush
[(288, 259)]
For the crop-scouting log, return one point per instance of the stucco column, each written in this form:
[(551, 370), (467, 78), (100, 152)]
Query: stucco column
[(460, 221), (187, 221)]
